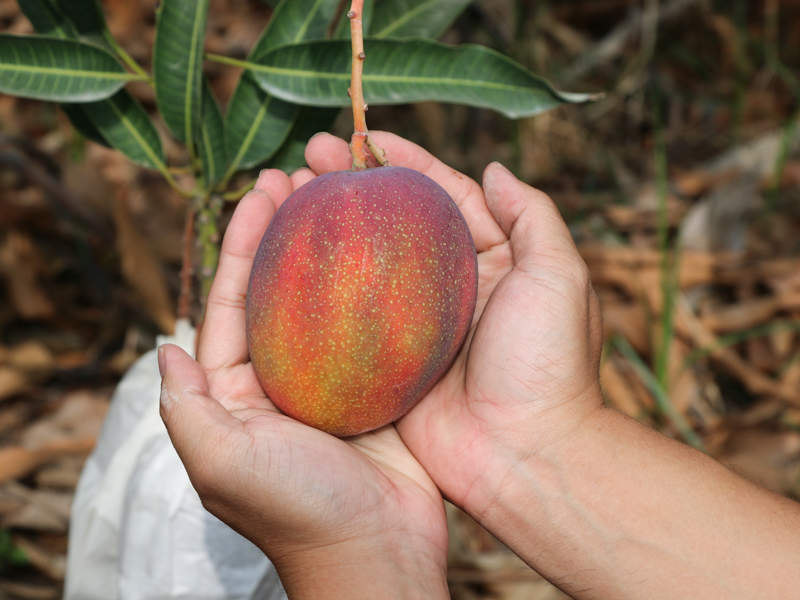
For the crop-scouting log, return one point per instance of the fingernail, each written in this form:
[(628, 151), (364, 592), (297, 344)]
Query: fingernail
[(319, 133), (503, 167), (162, 360)]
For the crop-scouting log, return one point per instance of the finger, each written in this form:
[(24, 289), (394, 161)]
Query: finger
[(223, 339), (193, 418), (326, 153), (538, 234), (301, 177)]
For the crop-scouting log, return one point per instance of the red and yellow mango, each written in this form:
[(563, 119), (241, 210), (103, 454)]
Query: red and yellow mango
[(361, 294)]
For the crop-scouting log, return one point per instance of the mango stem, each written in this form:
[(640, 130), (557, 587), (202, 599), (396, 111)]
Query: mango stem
[(361, 139)]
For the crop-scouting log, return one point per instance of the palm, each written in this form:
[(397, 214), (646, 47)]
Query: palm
[(339, 488), (523, 350)]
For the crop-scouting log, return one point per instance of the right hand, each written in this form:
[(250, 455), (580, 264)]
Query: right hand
[(527, 375)]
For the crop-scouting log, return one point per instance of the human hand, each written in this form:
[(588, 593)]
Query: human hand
[(527, 375), (326, 511)]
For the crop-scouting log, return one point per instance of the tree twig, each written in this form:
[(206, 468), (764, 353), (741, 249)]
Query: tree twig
[(361, 139), (187, 269), (616, 41)]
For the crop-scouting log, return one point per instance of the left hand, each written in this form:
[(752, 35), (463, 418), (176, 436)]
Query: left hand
[(307, 499)]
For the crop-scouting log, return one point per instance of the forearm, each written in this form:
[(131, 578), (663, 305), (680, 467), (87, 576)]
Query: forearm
[(624, 512), (388, 571)]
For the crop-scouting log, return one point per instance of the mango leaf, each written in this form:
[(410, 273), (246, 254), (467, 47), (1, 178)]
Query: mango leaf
[(311, 120), (211, 142), (125, 124), (81, 121), (87, 17), (177, 65), (415, 18), (60, 70), (396, 72), (48, 19), (256, 124)]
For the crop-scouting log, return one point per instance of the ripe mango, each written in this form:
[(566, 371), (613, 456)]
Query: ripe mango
[(361, 294)]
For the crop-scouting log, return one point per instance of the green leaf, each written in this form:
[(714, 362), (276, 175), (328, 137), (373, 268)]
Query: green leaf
[(53, 18), (81, 121), (87, 17), (125, 124), (415, 18), (60, 70), (211, 142), (311, 120), (48, 19), (67, 18), (178, 64), (397, 72), (256, 124), (294, 21)]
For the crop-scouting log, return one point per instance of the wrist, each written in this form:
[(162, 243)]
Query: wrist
[(364, 568), (532, 449)]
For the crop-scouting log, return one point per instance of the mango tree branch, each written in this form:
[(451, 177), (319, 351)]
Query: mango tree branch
[(187, 269), (208, 239), (360, 140), (126, 58)]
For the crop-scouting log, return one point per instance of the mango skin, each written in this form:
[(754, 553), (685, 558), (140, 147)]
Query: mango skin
[(362, 291)]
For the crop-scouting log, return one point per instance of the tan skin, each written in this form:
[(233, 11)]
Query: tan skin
[(515, 433)]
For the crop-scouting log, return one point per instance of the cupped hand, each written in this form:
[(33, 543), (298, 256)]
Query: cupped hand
[(304, 497), (527, 375)]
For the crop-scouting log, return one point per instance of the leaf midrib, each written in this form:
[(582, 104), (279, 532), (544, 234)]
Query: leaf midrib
[(122, 76), (143, 144), (190, 83), (304, 74)]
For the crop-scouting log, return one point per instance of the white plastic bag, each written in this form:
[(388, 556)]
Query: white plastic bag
[(138, 530)]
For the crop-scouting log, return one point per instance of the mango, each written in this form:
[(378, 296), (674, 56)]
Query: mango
[(362, 291)]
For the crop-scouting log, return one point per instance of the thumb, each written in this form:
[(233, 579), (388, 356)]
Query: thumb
[(539, 236), (193, 418)]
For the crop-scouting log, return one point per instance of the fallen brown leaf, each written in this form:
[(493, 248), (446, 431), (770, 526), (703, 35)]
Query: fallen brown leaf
[(52, 565), (43, 510), (31, 356), (623, 390), (767, 456), (12, 382), (27, 591), (16, 462), (20, 266), (140, 268)]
